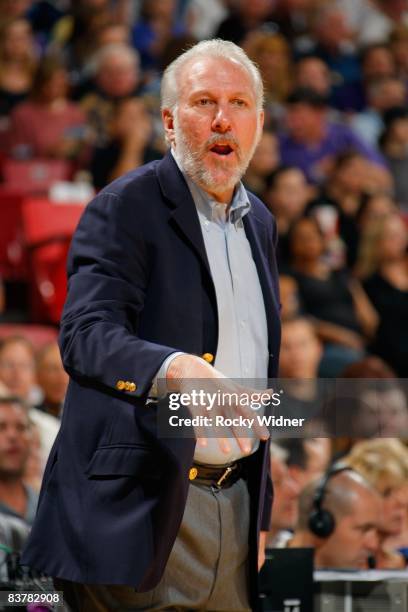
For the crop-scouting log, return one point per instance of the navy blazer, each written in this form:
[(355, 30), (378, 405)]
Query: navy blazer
[(140, 287)]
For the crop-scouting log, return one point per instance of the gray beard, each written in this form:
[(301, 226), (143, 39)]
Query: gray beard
[(191, 162)]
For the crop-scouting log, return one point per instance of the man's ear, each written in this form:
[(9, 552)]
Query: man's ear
[(168, 124)]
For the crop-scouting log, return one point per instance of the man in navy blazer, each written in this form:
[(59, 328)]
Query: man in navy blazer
[(143, 296)]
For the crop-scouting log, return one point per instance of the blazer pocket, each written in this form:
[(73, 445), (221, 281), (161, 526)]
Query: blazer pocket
[(111, 461)]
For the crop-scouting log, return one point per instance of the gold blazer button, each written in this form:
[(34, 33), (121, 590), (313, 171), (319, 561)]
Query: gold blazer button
[(208, 357), (192, 475)]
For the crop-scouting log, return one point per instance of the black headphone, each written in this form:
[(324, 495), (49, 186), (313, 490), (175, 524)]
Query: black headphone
[(321, 521)]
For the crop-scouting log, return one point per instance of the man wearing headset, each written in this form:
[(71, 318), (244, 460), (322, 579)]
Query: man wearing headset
[(338, 517)]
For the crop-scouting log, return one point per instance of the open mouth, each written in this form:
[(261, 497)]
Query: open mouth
[(221, 149)]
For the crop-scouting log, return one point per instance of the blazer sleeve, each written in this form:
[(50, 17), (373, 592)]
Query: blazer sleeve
[(108, 271)]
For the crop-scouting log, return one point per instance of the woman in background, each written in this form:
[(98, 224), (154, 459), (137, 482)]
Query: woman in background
[(383, 462), (383, 266), (344, 317), (48, 125)]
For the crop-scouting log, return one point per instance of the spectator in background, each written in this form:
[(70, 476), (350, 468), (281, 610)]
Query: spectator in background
[(352, 177), (300, 355), (381, 410), (156, 26), (361, 408), (286, 196), (106, 34), (14, 9), (311, 141), (16, 498), (355, 506), (203, 17), (374, 206), (48, 125), (52, 379), (382, 95), (398, 42), (384, 464), (17, 373), (17, 367), (271, 53), (293, 19), (349, 182), (377, 62), (264, 162), (352, 222), (307, 459), (355, 418), (285, 499), (301, 349), (382, 263), (289, 296), (245, 17), (116, 76), (373, 20), (334, 43), (75, 34), (18, 63), (313, 73), (342, 312), (128, 147), (394, 145), (112, 34)]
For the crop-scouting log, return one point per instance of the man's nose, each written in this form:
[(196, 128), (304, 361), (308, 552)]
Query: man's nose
[(293, 487), (221, 122), (11, 433), (372, 540)]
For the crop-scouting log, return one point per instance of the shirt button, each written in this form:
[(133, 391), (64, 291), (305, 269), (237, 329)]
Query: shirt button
[(242, 323)]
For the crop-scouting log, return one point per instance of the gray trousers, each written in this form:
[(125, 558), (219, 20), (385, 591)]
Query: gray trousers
[(207, 568)]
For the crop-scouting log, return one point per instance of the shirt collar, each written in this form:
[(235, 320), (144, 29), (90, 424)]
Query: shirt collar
[(210, 208)]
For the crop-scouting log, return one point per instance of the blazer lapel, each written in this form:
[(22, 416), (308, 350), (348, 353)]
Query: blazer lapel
[(184, 213)]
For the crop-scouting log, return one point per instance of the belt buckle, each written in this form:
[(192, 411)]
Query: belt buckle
[(227, 472)]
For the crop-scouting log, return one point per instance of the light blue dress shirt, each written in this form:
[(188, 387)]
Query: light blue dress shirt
[(242, 351)]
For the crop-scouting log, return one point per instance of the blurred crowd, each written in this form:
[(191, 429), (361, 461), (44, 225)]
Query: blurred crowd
[(80, 83)]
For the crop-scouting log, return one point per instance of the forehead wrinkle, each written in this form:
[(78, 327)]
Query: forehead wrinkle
[(199, 68)]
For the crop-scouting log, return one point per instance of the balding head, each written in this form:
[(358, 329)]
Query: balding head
[(356, 509), (341, 494)]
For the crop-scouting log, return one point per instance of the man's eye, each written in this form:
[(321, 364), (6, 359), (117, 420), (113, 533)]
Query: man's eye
[(204, 101), (239, 102)]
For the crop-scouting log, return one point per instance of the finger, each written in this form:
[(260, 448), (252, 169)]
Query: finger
[(242, 435), (260, 431), (245, 444), (224, 445), (257, 428)]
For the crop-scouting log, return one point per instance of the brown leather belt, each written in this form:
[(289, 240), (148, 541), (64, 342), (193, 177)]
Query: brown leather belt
[(219, 476)]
